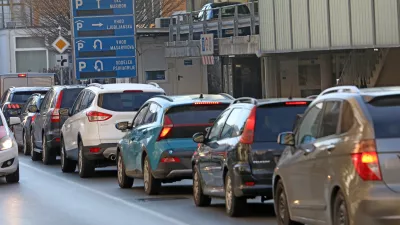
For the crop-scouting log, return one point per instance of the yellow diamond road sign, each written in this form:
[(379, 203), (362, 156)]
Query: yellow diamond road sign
[(60, 44)]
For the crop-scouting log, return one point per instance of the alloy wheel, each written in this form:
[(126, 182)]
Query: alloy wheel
[(62, 155), (32, 146), (119, 167), (228, 194), (146, 175), (25, 150), (282, 206), (342, 214), (196, 186), (44, 148)]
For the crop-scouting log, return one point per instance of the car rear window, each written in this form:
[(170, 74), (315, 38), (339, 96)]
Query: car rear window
[(69, 97), (271, 120), (195, 114), (23, 96), (125, 102), (384, 112)]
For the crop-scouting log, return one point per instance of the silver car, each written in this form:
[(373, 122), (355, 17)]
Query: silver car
[(342, 162)]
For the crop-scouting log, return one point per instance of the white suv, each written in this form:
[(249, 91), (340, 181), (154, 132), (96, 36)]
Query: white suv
[(89, 136), (9, 164)]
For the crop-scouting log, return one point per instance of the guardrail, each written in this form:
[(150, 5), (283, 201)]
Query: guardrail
[(233, 18)]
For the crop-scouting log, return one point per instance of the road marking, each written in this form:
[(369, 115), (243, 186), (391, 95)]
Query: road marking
[(130, 204)]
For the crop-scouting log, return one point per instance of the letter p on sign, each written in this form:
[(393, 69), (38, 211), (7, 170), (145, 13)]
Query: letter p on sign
[(79, 3), (82, 66)]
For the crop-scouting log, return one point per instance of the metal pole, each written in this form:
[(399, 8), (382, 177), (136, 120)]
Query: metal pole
[(62, 76), (2, 14)]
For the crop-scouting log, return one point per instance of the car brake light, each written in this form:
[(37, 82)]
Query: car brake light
[(167, 127), (207, 103), (94, 116), (55, 116), (94, 150), (249, 184), (133, 91), (22, 75), (366, 161), (296, 103), (170, 160), (13, 106), (248, 132), (33, 118)]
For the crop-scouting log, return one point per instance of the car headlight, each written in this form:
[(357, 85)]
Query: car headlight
[(6, 143)]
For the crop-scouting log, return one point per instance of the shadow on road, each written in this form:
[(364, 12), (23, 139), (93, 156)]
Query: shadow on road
[(253, 209)]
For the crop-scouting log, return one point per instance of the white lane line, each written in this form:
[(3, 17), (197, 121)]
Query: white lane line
[(130, 204)]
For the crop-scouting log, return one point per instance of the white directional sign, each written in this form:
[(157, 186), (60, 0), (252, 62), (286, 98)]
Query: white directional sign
[(62, 60)]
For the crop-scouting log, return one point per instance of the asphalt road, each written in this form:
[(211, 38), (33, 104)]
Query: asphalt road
[(46, 196)]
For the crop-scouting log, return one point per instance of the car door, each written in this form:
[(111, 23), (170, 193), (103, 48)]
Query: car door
[(41, 118), (131, 153), (70, 133), (205, 164), (298, 164)]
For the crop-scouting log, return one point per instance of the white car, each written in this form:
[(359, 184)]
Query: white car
[(89, 137), (9, 164)]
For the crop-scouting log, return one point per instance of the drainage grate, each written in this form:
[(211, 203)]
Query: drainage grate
[(160, 199)]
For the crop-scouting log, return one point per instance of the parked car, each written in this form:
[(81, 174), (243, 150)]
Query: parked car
[(341, 164), (158, 145), (89, 136), (13, 99), (9, 164), (28, 114), (45, 129), (237, 157), (211, 10)]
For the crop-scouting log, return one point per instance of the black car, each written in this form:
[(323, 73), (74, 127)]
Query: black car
[(236, 159), (45, 130), (28, 114), (13, 99)]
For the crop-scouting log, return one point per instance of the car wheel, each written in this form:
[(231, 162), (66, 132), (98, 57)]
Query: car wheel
[(67, 165), (282, 209), (199, 198), (234, 206), (35, 156), (26, 147), (123, 180), (151, 185), (340, 213), (48, 157), (85, 167), (13, 178)]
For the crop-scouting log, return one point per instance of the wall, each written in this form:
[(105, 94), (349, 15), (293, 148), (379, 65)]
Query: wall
[(390, 73), (5, 56)]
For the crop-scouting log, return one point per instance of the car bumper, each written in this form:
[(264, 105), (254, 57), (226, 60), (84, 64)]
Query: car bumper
[(246, 185), (106, 151), (53, 141), (176, 170), (6, 157)]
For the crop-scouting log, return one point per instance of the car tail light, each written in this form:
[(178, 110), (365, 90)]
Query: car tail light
[(94, 116), (170, 160), (133, 91), (33, 118), (248, 132), (55, 115), (249, 184), (167, 127), (94, 150), (366, 161), (13, 106), (207, 103), (22, 75), (296, 103)]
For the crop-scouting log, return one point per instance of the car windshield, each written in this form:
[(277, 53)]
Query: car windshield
[(23, 96), (195, 114), (382, 110), (125, 102)]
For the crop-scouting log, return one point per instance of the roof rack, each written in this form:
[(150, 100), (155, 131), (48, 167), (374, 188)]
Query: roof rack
[(245, 100), (154, 84), (228, 96), (96, 85), (164, 97), (340, 89)]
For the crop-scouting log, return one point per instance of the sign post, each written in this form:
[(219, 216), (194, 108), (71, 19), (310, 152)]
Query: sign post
[(104, 39)]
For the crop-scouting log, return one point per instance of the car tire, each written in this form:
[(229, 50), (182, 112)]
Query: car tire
[(35, 156), (234, 206), (48, 157), (67, 165), (281, 205), (152, 186), (26, 148), (340, 213), (200, 200), (123, 180), (13, 178), (86, 167)]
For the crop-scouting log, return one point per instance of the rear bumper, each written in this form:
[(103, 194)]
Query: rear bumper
[(106, 151), (6, 157), (175, 171), (247, 185)]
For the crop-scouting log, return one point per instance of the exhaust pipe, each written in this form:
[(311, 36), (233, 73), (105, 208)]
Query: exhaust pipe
[(113, 157)]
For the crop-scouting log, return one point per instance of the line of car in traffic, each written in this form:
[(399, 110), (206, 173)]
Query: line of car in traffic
[(329, 159)]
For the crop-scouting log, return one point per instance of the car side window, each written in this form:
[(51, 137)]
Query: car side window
[(348, 119), (330, 118), (140, 116), (151, 115), (4, 97), (309, 127), (86, 101), (46, 101), (235, 123), (77, 103), (26, 106), (219, 123)]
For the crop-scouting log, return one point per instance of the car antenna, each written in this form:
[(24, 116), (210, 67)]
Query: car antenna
[(201, 96), (291, 92)]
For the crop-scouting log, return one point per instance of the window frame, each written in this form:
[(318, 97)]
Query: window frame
[(228, 112), (298, 129)]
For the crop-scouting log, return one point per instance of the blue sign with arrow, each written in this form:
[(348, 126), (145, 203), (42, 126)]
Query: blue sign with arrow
[(104, 26), (102, 7), (104, 47), (106, 67)]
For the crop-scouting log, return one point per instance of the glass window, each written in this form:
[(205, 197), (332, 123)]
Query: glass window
[(77, 103), (31, 101), (218, 126), (151, 115), (4, 97), (195, 114), (330, 119), (384, 112), (69, 97), (347, 117), (309, 126), (30, 42), (23, 96), (235, 123), (140, 116), (125, 102), (47, 101), (31, 61)]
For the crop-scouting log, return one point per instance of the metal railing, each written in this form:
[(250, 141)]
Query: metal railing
[(232, 18)]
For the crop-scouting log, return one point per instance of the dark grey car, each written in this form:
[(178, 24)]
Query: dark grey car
[(45, 130)]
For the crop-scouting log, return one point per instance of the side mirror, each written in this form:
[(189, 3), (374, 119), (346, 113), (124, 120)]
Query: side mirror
[(122, 126), (64, 112), (33, 109), (286, 138), (199, 138), (208, 129), (14, 121)]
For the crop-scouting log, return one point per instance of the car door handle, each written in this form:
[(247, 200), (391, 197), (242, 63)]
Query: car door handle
[(329, 148), (307, 151)]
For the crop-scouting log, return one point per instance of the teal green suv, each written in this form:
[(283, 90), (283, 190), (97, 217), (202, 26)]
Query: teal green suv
[(158, 144)]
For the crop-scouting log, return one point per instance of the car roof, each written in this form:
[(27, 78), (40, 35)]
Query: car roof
[(105, 88), (367, 94), (222, 4), (22, 89), (189, 99)]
